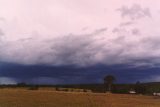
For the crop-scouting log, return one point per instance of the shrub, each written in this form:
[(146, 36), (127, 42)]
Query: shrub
[(57, 89), (33, 88)]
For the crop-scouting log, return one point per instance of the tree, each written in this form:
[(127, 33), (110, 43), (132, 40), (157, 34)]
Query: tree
[(140, 88), (108, 82)]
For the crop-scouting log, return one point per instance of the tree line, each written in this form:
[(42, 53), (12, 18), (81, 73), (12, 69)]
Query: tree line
[(138, 87), (109, 85)]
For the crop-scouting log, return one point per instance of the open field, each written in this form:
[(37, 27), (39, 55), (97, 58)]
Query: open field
[(48, 98)]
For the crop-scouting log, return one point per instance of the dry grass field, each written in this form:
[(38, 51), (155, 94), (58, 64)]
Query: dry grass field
[(48, 98)]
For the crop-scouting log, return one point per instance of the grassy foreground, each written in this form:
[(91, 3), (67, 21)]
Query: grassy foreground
[(46, 98)]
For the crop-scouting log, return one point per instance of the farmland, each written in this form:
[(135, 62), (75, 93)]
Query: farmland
[(49, 98)]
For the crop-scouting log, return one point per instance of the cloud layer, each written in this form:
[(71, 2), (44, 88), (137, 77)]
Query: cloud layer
[(81, 33)]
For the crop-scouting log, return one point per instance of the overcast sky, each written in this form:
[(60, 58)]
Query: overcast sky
[(79, 34)]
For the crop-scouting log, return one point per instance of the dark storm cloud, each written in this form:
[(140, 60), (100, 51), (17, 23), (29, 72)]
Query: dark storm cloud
[(39, 73), (71, 75)]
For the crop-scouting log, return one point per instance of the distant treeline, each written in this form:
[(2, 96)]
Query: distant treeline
[(140, 88)]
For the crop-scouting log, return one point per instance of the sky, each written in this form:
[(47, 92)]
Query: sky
[(79, 41)]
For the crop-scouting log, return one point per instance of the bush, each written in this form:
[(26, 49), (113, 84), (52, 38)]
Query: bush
[(84, 90), (140, 88), (121, 91), (65, 89), (57, 89), (34, 88)]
